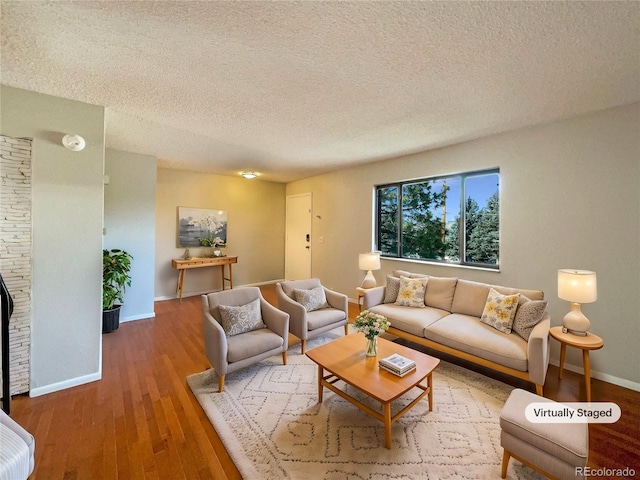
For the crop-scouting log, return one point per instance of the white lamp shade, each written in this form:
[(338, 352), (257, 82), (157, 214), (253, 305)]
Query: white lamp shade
[(369, 261), (577, 286)]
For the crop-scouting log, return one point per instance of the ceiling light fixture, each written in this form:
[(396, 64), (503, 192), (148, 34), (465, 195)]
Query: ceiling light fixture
[(75, 143), (249, 174)]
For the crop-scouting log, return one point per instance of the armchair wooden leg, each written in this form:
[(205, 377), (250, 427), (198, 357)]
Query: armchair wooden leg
[(221, 383), (346, 328), (505, 463), (539, 389), (284, 358), (303, 345)]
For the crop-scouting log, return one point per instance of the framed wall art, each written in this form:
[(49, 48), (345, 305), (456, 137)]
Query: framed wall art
[(201, 227)]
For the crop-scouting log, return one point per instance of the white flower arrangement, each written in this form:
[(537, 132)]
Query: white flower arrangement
[(371, 324)]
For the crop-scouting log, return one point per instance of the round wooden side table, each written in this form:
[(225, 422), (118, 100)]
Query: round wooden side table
[(587, 343)]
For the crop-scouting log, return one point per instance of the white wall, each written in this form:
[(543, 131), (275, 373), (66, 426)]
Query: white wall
[(256, 218), (570, 198), (130, 224), (67, 235)]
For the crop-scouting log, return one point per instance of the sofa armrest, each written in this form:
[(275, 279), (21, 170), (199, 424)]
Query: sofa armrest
[(373, 296), (538, 351)]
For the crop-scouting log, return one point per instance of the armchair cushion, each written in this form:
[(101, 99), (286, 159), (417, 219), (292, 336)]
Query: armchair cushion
[(312, 299), (252, 344), (241, 319)]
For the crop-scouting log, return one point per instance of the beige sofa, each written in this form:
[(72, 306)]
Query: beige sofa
[(450, 323)]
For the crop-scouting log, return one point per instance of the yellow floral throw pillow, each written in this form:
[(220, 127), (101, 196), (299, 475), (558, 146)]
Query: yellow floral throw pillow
[(411, 292), (500, 310)]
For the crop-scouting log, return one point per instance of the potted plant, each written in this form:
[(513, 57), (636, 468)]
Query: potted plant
[(116, 265)]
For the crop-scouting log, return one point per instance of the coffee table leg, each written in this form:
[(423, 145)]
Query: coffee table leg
[(320, 374), (387, 425), (430, 385)]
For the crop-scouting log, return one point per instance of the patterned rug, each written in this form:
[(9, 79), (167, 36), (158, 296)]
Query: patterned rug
[(270, 422)]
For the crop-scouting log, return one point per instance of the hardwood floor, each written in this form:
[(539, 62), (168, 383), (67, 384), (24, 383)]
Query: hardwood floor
[(142, 421)]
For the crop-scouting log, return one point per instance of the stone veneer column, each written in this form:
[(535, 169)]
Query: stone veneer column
[(15, 251)]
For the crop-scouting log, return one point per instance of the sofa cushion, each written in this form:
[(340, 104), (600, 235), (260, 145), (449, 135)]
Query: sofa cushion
[(440, 292), (470, 298), (404, 273), (408, 319), (241, 319), (530, 294), (391, 289), (312, 299), (528, 315), (412, 292), (468, 334), (500, 310)]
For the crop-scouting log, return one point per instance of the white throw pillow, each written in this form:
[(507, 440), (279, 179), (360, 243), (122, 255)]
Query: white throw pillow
[(313, 299), (236, 320), (500, 310)]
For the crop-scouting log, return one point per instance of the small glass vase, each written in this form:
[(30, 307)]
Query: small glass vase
[(372, 347)]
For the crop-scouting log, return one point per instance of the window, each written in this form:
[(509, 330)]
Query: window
[(449, 219)]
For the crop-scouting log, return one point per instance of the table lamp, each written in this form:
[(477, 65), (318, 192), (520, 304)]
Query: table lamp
[(369, 261), (577, 287)]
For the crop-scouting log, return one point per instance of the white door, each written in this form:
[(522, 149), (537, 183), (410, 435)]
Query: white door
[(298, 237)]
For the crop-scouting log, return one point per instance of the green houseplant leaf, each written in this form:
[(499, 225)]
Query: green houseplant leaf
[(116, 266)]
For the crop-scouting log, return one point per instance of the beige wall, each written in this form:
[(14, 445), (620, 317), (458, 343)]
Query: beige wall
[(67, 196), (256, 219), (130, 224), (570, 198)]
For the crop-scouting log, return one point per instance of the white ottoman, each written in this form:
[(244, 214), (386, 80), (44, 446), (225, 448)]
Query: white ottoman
[(552, 449)]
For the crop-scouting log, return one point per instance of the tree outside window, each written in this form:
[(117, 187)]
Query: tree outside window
[(435, 219)]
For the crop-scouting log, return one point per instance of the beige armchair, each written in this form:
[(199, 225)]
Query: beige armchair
[(316, 318), (241, 328)]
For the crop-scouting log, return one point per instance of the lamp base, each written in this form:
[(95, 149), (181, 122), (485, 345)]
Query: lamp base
[(575, 322), (574, 332), (369, 281)]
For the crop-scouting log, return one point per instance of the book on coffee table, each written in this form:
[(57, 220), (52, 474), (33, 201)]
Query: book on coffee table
[(395, 372), (397, 364)]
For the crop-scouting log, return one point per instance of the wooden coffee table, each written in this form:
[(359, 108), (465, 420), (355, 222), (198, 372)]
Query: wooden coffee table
[(344, 359)]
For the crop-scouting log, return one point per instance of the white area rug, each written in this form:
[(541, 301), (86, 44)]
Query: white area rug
[(270, 422)]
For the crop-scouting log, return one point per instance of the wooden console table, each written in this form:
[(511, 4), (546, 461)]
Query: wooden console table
[(200, 262)]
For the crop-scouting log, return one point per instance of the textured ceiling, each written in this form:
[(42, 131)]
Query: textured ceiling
[(293, 89)]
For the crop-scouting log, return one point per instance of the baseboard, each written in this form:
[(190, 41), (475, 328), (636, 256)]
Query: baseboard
[(72, 382), (137, 317), (203, 292), (605, 377)]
